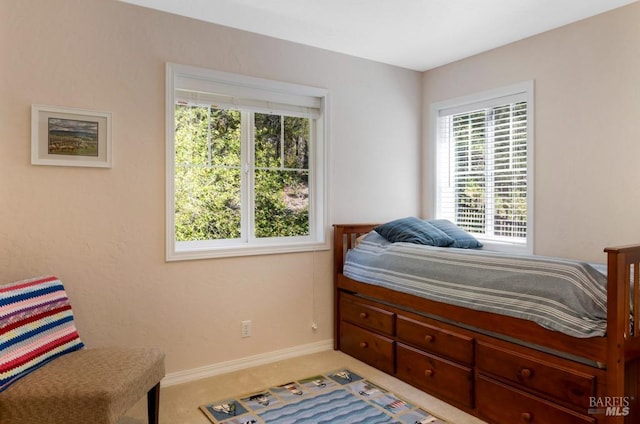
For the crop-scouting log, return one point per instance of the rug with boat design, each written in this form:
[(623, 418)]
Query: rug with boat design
[(337, 397)]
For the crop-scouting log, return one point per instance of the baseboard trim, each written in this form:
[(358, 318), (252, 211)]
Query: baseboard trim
[(186, 376)]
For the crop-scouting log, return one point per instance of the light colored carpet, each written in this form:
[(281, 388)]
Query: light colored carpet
[(179, 404)]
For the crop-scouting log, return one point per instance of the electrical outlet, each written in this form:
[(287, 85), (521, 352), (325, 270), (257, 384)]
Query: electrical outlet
[(246, 328)]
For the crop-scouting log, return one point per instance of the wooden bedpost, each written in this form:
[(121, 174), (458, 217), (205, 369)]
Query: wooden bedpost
[(623, 341), (344, 238), (338, 262)]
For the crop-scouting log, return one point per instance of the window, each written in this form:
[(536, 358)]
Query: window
[(245, 165), (484, 163)]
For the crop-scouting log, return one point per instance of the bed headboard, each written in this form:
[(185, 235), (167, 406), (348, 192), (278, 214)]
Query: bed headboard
[(623, 294), (344, 238)]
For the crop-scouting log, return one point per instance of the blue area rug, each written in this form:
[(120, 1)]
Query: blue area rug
[(338, 397)]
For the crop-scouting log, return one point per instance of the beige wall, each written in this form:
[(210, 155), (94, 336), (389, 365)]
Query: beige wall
[(102, 230), (587, 127)]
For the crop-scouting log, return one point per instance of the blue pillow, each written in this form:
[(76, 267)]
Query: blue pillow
[(414, 230), (462, 239)]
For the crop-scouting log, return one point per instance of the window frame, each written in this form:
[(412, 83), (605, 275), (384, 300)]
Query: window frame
[(189, 77), (467, 104)]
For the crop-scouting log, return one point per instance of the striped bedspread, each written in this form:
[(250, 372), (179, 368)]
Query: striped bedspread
[(558, 294)]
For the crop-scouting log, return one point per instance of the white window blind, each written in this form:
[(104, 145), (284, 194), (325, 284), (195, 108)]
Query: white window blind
[(483, 166), (247, 93), (298, 106)]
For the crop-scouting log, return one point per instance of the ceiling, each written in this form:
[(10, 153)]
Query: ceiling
[(413, 34)]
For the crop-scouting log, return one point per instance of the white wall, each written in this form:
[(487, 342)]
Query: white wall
[(587, 132), (102, 230)]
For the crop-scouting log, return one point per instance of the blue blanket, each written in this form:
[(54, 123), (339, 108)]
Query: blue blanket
[(559, 294)]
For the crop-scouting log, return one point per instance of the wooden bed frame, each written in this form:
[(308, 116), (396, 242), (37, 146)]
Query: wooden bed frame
[(503, 370)]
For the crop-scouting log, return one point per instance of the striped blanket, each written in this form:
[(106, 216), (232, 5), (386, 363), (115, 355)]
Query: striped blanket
[(36, 326), (558, 294)]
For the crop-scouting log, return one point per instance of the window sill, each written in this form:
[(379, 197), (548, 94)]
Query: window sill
[(506, 247), (205, 251)]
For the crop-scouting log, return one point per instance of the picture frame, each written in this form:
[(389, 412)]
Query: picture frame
[(63, 136)]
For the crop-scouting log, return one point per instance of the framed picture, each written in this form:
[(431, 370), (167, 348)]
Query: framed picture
[(70, 137)]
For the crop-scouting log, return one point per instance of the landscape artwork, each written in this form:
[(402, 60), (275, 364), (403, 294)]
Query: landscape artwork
[(72, 137)]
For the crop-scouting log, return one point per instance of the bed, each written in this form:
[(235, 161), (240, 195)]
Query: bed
[(502, 368)]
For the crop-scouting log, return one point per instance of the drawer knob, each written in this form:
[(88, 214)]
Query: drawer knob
[(527, 417), (525, 372), (428, 338), (428, 373), (364, 345), (363, 315)]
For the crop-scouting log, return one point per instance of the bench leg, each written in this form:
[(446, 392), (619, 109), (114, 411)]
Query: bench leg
[(153, 404)]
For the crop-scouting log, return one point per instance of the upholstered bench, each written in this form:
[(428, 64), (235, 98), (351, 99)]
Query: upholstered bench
[(95, 386), (47, 376)]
